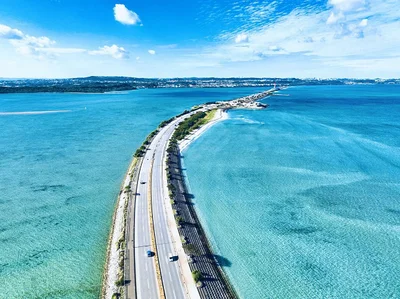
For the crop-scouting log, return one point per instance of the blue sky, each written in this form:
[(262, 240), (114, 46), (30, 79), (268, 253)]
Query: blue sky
[(158, 38)]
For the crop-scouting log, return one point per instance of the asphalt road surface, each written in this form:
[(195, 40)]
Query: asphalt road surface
[(145, 275)]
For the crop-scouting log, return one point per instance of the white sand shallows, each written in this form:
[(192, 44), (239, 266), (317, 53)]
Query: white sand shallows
[(112, 266), (220, 115)]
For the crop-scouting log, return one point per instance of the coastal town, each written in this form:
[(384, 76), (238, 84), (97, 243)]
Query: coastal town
[(100, 84)]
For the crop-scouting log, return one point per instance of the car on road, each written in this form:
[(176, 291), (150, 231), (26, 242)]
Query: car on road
[(150, 253), (143, 183), (171, 257)]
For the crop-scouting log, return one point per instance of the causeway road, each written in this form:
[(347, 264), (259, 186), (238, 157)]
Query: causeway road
[(147, 285)]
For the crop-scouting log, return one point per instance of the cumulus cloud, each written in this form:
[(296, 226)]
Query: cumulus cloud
[(152, 52), (25, 44), (9, 33), (125, 16), (43, 47), (113, 51), (33, 42), (241, 38)]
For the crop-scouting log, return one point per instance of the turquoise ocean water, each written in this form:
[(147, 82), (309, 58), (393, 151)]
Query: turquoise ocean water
[(59, 178), (303, 199)]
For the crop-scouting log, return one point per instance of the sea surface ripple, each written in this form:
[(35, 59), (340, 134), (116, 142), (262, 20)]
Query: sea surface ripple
[(302, 200), (60, 174)]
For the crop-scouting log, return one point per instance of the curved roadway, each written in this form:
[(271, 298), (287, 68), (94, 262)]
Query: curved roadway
[(145, 275)]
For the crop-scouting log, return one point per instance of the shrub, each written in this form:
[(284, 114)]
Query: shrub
[(190, 249), (197, 276), (179, 219), (120, 281)]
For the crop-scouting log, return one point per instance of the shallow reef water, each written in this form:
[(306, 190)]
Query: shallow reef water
[(303, 198), (60, 175)]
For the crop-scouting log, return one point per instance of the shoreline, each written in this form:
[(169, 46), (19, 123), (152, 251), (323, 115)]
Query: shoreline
[(114, 282), (220, 115), (115, 248), (231, 292)]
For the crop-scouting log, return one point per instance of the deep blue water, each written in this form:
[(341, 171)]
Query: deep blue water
[(303, 199), (59, 179)]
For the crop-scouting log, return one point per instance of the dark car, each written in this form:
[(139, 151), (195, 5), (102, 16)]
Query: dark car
[(150, 253), (143, 183)]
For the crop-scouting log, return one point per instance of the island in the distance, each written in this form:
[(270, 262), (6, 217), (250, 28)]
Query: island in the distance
[(110, 84), (154, 204)]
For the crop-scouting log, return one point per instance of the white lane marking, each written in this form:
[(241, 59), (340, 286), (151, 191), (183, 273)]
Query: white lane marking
[(148, 284), (173, 291), (147, 269), (170, 277)]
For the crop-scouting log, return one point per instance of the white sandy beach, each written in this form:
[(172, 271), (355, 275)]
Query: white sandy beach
[(220, 115), (112, 265)]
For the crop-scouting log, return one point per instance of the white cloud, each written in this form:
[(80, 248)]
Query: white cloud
[(152, 52), (36, 42), (24, 44), (342, 8), (364, 23), (241, 38), (113, 51), (31, 45), (334, 17), (9, 33), (125, 16), (43, 47), (303, 35), (347, 5)]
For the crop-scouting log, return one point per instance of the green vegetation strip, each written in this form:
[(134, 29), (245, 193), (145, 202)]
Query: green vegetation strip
[(192, 123)]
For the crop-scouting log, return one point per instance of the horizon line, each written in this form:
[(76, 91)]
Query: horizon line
[(195, 77)]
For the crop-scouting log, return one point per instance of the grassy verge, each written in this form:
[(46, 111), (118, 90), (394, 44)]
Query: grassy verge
[(192, 123), (210, 115)]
